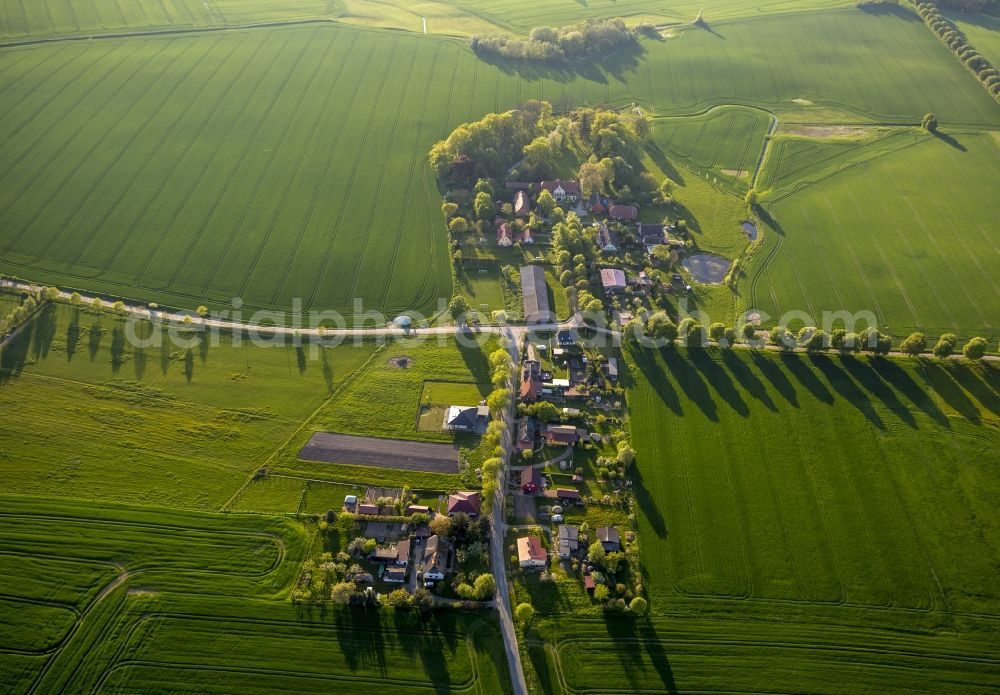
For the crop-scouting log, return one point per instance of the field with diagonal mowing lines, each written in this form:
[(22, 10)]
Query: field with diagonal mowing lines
[(180, 608)]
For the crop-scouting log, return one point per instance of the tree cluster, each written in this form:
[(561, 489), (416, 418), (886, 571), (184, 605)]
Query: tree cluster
[(959, 44), (586, 39)]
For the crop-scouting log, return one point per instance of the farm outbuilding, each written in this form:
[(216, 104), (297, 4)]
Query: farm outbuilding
[(535, 294)]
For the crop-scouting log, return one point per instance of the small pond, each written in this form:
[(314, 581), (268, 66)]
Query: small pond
[(750, 229), (707, 267)]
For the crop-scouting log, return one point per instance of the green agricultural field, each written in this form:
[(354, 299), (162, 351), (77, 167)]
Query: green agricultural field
[(818, 524), (140, 599), (725, 143), (97, 418), (907, 236), (287, 163)]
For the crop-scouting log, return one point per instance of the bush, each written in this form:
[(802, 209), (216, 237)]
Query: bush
[(524, 612), (975, 349)]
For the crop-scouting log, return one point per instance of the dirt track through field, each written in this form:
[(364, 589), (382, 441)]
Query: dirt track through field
[(328, 447)]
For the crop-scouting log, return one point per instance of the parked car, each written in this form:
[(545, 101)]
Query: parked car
[(557, 518)]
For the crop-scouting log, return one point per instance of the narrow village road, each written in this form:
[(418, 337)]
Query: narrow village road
[(498, 536)]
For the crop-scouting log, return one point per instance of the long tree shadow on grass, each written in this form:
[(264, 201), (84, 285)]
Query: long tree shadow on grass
[(866, 376), (982, 381), (951, 141), (14, 355), (776, 375), (747, 379), (73, 334), (720, 380), (843, 384), (805, 376), (362, 638), (594, 69), (118, 355), (474, 357), (692, 384), (895, 377), (94, 336), (45, 331), (652, 369), (647, 503), (625, 630)]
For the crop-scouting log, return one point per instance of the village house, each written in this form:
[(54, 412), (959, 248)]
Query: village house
[(613, 279), (530, 553), (417, 509), (561, 435), (467, 418), (464, 502), (435, 563), (535, 295), (521, 204), (350, 503), (609, 539), (368, 508), (531, 480), (623, 213), (531, 382), (526, 430), (396, 554), (610, 368), (569, 541), (604, 240), (562, 191), (525, 237), (651, 234)]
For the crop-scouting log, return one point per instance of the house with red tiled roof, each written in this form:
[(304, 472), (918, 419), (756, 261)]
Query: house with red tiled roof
[(530, 553), (623, 213), (464, 501)]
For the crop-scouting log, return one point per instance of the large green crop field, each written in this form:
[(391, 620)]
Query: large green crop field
[(127, 599), (905, 229), (288, 163), (816, 524)]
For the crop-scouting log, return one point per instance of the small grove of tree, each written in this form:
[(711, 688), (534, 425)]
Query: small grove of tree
[(945, 345), (914, 344), (483, 206), (588, 38), (458, 225), (929, 123), (975, 349), (543, 410)]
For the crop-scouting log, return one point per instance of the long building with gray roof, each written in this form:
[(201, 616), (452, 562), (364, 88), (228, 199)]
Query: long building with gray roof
[(535, 293)]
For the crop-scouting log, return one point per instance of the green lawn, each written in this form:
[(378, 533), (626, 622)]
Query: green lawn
[(906, 236), (197, 603), (100, 419), (841, 512)]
